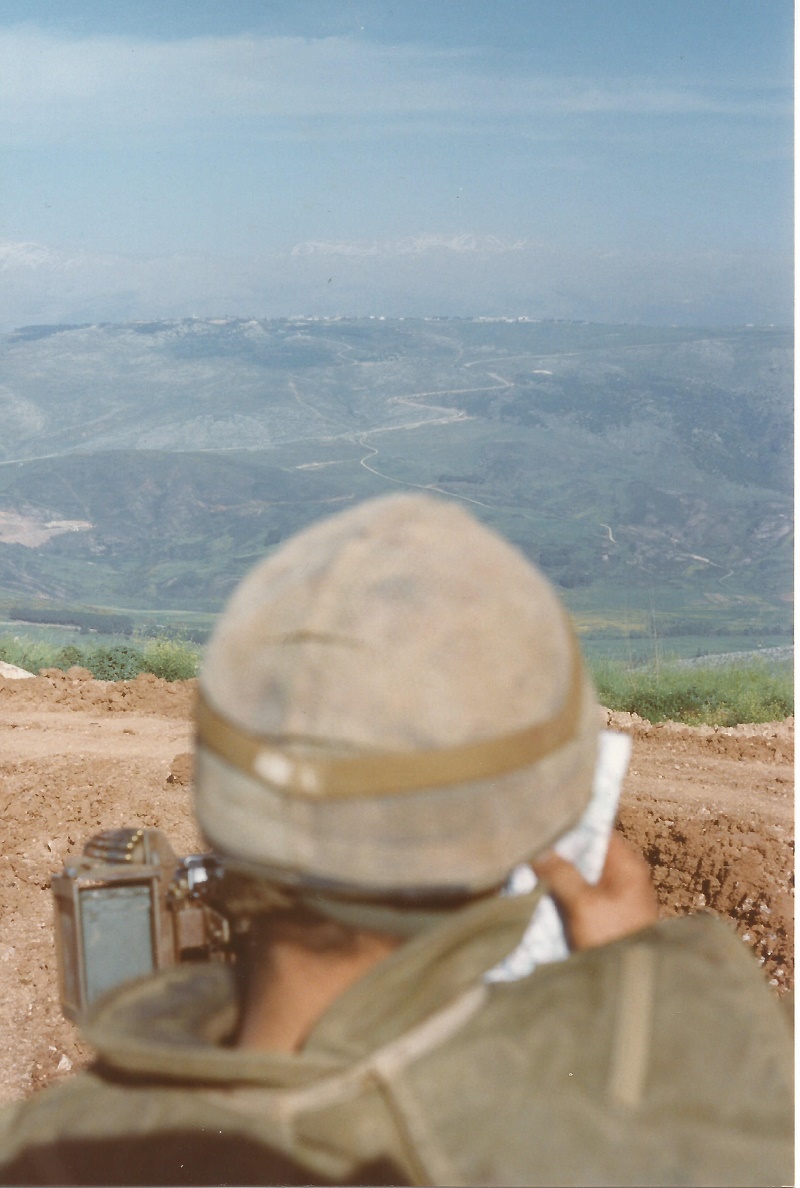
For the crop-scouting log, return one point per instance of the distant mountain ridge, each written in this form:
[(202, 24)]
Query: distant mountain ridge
[(412, 245), (638, 465), (454, 271)]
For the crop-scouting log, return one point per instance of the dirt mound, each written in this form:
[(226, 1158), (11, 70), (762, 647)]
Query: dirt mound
[(711, 810), (76, 689), (765, 741)]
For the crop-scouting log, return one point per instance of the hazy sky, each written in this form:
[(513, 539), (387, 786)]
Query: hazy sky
[(580, 158)]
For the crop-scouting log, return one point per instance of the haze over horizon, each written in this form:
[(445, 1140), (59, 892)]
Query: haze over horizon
[(624, 160)]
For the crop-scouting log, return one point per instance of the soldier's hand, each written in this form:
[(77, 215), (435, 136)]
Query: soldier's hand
[(621, 902)]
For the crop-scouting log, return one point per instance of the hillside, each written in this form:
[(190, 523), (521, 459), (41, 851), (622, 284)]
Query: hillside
[(648, 470)]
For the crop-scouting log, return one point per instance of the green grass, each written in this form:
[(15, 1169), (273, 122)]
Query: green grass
[(714, 696), (172, 660), (721, 695)]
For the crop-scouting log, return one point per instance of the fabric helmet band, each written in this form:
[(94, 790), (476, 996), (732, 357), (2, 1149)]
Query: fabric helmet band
[(382, 773)]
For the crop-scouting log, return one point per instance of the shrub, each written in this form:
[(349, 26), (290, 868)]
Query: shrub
[(118, 663), (171, 659), (69, 656)]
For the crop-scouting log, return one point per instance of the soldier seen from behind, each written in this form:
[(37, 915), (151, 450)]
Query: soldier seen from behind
[(393, 717)]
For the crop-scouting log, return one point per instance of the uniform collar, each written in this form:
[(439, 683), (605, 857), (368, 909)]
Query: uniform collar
[(175, 1025)]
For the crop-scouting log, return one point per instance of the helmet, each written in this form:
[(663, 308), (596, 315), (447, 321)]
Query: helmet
[(393, 707)]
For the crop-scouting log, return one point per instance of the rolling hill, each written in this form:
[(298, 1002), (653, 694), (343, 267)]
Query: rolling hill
[(649, 471)]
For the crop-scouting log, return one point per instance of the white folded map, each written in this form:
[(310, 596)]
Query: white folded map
[(585, 847)]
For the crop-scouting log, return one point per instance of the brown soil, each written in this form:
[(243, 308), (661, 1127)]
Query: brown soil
[(710, 808)]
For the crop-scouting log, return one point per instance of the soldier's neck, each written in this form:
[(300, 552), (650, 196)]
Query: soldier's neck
[(289, 988)]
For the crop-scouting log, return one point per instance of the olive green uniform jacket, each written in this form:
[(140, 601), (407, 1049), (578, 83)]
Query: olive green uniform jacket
[(660, 1059)]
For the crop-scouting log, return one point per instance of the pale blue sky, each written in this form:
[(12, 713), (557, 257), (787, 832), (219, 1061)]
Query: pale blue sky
[(584, 158)]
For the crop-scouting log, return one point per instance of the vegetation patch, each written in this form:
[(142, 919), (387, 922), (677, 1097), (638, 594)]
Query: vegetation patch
[(170, 659), (84, 620), (713, 696)]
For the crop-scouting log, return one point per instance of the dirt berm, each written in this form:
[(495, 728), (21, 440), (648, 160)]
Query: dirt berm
[(710, 808)]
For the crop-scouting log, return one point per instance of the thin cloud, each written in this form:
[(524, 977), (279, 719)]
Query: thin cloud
[(53, 85)]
